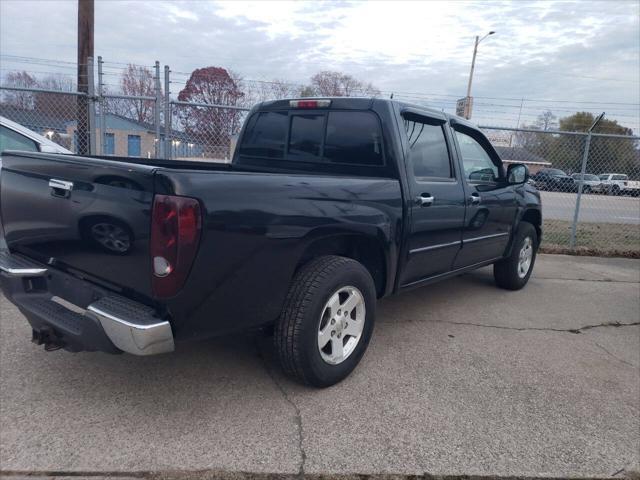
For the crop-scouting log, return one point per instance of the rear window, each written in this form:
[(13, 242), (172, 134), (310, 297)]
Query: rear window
[(306, 136), (339, 137), (265, 135), (620, 177), (353, 137)]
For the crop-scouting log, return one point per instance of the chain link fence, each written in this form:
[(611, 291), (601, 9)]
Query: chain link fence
[(589, 183), (203, 132)]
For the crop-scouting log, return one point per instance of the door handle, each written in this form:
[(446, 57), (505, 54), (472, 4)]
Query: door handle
[(60, 188), (474, 199), (425, 200)]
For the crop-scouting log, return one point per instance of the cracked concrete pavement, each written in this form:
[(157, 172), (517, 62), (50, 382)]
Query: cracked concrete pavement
[(461, 378)]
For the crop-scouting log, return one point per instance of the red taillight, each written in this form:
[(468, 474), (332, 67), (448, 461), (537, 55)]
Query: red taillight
[(175, 233)]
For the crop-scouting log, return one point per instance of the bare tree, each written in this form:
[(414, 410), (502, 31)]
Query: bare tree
[(547, 121), (19, 99), (58, 105), (337, 84), (136, 81)]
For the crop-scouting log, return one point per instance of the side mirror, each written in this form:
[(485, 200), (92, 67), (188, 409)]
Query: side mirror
[(517, 174)]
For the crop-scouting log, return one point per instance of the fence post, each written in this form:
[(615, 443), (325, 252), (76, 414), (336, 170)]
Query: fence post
[(167, 113), (583, 169), (102, 102), (91, 106), (156, 116)]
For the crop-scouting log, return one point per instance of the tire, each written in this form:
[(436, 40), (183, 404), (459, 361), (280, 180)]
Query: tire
[(586, 189), (615, 190), (507, 272), (306, 321)]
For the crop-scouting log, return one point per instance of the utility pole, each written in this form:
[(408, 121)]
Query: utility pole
[(467, 106), (85, 52)]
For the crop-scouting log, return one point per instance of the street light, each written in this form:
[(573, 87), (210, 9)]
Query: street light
[(467, 109)]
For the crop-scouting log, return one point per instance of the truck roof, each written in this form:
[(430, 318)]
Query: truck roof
[(361, 103)]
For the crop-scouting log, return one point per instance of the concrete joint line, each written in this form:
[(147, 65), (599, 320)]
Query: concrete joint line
[(602, 280), (297, 414), (542, 329), (612, 355)]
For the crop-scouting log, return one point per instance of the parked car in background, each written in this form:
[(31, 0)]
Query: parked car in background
[(328, 205), (619, 184), (14, 136), (590, 183), (554, 180)]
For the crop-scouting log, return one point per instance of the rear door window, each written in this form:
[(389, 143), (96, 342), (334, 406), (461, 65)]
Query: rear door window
[(429, 154)]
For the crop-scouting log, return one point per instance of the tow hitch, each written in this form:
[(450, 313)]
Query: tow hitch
[(47, 337)]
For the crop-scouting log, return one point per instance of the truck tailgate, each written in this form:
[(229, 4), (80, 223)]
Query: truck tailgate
[(87, 216)]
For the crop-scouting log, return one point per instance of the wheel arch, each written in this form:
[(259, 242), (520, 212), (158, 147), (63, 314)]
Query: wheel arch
[(534, 217), (529, 215), (363, 248)]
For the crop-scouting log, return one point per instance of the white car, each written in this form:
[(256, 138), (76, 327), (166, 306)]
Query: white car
[(14, 136), (619, 184)]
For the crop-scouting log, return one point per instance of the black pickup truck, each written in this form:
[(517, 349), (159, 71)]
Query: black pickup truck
[(328, 205)]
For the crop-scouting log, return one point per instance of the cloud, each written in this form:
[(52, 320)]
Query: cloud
[(574, 51)]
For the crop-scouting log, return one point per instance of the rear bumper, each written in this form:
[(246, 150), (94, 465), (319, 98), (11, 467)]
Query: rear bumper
[(68, 312)]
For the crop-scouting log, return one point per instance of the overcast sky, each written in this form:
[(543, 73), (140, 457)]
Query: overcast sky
[(570, 51)]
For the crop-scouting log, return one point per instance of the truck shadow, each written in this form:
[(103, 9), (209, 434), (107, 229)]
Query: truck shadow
[(196, 370)]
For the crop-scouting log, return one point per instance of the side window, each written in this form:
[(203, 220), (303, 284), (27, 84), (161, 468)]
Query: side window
[(266, 133), (428, 152), (476, 162), (353, 138), (10, 140), (305, 139)]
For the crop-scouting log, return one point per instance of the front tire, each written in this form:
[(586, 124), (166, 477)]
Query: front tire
[(327, 321), (513, 272)]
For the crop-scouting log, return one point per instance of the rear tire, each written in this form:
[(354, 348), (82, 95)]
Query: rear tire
[(318, 308), (513, 272)]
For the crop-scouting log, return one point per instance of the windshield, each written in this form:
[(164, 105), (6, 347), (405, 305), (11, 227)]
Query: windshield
[(555, 171)]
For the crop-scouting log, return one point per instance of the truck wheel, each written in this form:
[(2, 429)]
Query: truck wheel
[(327, 321), (513, 272)]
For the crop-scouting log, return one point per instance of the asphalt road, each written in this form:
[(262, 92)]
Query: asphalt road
[(593, 208), (460, 378)]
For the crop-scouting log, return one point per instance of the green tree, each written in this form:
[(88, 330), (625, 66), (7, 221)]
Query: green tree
[(606, 154)]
